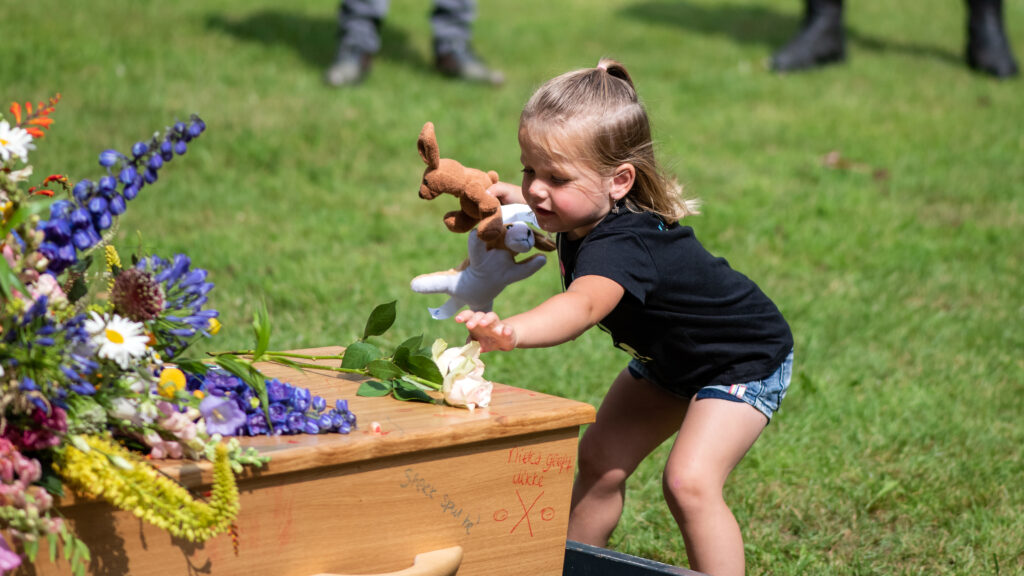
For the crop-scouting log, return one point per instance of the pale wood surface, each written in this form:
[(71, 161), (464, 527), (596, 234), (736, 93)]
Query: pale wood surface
[(496, 482)]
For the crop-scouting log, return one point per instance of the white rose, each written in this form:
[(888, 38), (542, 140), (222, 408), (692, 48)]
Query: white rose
[(463, 371), (468, 392)]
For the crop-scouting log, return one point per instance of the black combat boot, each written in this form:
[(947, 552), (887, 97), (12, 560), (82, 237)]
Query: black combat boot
[(988, 50), (821, 39)]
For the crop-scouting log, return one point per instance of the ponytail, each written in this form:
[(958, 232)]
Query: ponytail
[(616, 70)]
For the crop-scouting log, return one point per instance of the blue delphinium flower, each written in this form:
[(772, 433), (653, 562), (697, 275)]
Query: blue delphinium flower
[(256, 424), (97, 204), (292, 409)]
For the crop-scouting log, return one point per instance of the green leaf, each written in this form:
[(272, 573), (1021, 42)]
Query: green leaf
[(82, 266), (382, 317), (31, 548), (192, 366), (251, 376), (52, 484), (404, 350), (424, 367), (78, 289), (52, 540), (410, 393), (374, 389), (359, 354), (9, 281), (261, 328), (412, 343), (384, 369), (80, 559)]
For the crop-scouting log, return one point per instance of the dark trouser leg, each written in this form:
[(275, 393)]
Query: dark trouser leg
[(358, 40), (359, 25), (821, 39), (452, 22), (988, 50)]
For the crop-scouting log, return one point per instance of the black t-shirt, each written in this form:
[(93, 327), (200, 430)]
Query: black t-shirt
[(690, 318)]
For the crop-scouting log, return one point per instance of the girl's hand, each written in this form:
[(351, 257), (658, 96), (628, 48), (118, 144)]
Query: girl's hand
[(487, 329), (507, 193)]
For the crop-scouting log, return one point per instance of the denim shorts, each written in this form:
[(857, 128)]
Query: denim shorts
[(764, 395)]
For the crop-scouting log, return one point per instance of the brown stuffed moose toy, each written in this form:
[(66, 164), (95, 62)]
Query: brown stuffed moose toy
[(469, 185)]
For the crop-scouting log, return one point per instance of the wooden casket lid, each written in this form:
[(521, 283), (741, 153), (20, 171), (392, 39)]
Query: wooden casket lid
[(405, 427)]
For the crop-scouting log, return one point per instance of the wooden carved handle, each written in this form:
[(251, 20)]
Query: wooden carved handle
[(444, 562)]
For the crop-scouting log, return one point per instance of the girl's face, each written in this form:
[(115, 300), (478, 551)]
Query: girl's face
[(568, 197)]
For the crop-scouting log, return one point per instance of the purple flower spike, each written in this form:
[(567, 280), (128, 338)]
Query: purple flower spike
[(103, 220), (130, 192), (128, 175), (117, 205), (98, 205), (80, 219), (256, 424), (278, 391), (109, 157), (167, 151), (81, 190)]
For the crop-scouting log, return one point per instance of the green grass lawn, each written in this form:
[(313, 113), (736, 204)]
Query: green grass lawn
[(899, 447)]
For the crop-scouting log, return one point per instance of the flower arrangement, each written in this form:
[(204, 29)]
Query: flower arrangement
[(94, 377)]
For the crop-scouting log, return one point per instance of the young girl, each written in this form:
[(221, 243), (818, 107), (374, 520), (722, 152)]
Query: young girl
[(712, 354)]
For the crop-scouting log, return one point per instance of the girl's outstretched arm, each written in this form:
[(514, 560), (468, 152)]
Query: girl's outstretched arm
[(559, 319)]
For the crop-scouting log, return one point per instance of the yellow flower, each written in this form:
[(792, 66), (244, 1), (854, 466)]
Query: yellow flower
[(214, 326), (148, 494), (171, 380), (113, 259), (113, 263)]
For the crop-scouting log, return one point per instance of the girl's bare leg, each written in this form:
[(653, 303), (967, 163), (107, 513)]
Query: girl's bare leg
[(713, 438), (635, 417)]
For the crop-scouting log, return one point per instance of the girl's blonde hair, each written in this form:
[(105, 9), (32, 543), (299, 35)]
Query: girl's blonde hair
[(594, 115)]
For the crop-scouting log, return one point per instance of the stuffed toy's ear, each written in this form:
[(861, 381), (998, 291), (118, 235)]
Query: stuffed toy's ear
[(427, 145)]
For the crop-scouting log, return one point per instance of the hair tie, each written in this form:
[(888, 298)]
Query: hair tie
[(602, 66)]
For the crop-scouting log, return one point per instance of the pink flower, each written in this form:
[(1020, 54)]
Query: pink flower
[(47, 431), (161, 448), (48, 286), (8, 559), (12, 260)]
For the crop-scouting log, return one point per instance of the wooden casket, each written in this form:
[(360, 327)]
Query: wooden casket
[(436, 489)]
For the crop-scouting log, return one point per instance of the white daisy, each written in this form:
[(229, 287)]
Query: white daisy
[(117, 338), (14, 142)]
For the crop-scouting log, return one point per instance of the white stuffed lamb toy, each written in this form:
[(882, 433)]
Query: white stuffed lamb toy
[(490, 266)]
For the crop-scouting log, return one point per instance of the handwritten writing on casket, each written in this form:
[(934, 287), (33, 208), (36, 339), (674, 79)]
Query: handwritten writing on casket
[(529, 468), (447, 503), (531, 465)]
